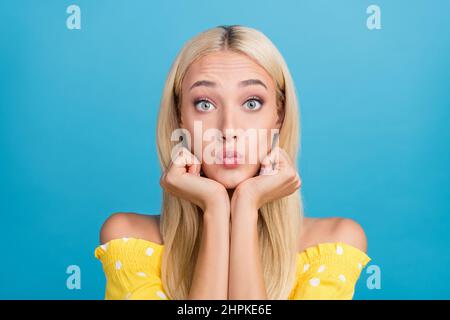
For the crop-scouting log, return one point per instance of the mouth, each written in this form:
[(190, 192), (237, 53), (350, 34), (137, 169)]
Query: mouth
[(229, 158)]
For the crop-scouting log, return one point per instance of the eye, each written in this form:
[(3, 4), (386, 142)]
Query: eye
[(253, 103), (204, 105)]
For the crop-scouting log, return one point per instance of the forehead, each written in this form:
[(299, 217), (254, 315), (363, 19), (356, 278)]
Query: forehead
[(226, 67)]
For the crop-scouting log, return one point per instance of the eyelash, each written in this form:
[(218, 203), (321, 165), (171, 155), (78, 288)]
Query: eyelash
[(261, 101)]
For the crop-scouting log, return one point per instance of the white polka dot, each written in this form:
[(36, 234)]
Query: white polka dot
[(161, 295), (305, 267), (128, 296), (321, 268), (314, 282), (104, 246), (125, 239), (341, 277), (359, 266), (339, 250), (149, 251), (141, 274), (118, 264)]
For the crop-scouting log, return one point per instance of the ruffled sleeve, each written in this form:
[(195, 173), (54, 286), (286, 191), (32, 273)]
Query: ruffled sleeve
[(328, 271), (132, 269)]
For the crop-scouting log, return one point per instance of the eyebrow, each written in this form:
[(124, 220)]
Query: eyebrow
[(244, 83), (252, 82)]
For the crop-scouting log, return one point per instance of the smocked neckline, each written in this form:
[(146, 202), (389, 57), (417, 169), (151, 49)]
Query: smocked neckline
[(312, 250)]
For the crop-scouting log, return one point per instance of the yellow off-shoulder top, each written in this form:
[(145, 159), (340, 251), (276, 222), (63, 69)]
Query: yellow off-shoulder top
[(132, 269)]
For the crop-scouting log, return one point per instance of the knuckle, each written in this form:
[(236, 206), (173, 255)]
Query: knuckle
[(163, 182), (162, 178), (169, 178), (283, 153), (298, 181), (292, 175), (265, 161)]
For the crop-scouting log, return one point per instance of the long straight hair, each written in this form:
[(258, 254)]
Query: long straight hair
[(280, 220)]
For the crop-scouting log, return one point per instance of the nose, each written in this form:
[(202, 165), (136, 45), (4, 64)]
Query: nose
[(229, 135), (229, 132)]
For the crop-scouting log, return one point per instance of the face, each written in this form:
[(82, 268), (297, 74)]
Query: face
[(228, 105)]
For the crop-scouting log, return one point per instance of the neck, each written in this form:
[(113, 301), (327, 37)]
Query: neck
[(230, 193)]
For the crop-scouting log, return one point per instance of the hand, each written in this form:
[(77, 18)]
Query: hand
[(278, 178), (183, 180)]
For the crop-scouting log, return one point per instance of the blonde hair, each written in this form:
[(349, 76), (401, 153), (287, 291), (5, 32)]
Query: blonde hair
[(280, 220)]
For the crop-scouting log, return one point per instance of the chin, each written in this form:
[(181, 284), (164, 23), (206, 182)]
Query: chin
[(229, 178)]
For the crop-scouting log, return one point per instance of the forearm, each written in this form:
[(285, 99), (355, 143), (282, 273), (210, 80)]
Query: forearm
[(210, 279), (246, 279)]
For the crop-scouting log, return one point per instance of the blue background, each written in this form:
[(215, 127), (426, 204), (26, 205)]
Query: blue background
[(78, 112)]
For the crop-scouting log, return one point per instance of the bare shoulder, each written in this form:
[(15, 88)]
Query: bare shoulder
[(336, 229), (131, 225)]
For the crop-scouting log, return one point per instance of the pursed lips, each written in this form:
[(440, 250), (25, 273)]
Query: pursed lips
[(228, 155)]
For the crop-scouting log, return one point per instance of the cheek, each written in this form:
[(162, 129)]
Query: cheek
[(270, 118), (257, 146), (264, 119)]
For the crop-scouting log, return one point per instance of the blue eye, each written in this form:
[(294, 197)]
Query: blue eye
[(204, 105), (253, 104)]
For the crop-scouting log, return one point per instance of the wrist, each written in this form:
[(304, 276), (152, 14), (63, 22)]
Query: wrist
[(218, 222), (243, 199), (244, 209), (219, 201), (218, 209)]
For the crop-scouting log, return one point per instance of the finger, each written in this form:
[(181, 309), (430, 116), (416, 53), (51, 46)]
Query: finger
[(299, 182), (195, 167), (266, 167), (284, 160), (276, 159), (192, 162), (185, 161), (269, 165)]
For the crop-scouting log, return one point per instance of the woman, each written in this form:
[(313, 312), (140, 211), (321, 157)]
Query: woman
[(230, 228)]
